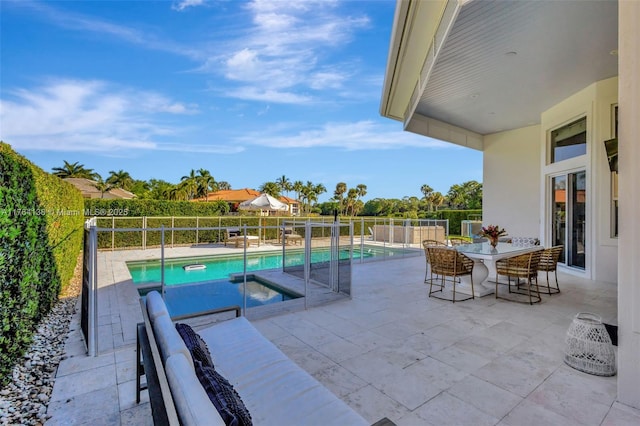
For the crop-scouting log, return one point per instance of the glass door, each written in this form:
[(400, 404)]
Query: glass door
[(568, 218)]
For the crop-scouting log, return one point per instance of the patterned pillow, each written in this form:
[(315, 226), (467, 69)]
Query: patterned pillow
[(196, 345), (223, 396)]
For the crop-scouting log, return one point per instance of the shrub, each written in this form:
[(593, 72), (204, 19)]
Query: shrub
[(456, 217), (40, 238)]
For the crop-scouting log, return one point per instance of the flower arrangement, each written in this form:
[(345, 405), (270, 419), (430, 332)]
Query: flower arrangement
[(492, 232)]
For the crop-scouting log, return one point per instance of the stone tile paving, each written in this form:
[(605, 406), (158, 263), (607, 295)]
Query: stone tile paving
[(390, 351)]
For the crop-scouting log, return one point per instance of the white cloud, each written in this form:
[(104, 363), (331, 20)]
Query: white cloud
[(361, 135), (274, 96), (81, 115), (277, 47), (184, 4), (80, 22), (284, 50)]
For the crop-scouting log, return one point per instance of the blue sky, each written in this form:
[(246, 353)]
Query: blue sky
[(250, 91)]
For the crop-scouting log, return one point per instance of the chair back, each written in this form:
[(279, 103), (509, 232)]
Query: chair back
[(522, 265), (432, 243), (448, 262), (549, 258), (458, 241)]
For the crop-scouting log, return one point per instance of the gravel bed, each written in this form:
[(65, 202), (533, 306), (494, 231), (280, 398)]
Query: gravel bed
[(25, 399)]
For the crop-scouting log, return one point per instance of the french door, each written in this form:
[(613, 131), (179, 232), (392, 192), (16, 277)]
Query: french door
[(568, 218)]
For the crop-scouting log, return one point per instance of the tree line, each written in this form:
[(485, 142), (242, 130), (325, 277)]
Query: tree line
[(198, 184)]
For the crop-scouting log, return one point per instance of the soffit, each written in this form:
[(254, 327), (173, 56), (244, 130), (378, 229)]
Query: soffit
[(561, 47)]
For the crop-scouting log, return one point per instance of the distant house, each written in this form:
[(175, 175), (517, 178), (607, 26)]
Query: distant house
[(236, 196), (88, 189)]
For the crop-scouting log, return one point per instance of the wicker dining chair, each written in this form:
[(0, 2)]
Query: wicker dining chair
[(549, 263), (425, 244), (455, 241), (448, 265), (520, 266)]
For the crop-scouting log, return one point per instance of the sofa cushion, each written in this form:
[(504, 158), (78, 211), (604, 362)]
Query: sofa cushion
[(155, 305), (223, 396), (274, 389), (196, 346), (191, 401), (169, 341)]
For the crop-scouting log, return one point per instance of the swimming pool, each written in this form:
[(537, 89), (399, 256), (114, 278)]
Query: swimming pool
[(187, 299), (220, 267)]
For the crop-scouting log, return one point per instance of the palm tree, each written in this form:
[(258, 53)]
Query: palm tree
[(284, 183), (427, 191), (338, 195), (436, 200), (352, 197), (103, 186), (270, 188), (297, 187), (189, 184), (205, 183), (223, 185), (120, 179), (74, 170)]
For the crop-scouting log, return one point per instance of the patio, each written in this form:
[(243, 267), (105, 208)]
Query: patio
[(390, 351)]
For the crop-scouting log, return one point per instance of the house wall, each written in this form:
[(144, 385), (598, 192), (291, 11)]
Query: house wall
[(595, 102), (511, 181), (629, 244)]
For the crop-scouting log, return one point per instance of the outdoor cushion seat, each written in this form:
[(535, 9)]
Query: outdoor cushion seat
[(275, 390), (192, 403)]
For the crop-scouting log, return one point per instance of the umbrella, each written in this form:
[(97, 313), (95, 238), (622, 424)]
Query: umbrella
[(263, 202)]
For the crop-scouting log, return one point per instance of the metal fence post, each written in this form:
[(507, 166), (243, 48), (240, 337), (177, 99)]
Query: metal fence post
[(92, 344), (244, 273), (162, 260)]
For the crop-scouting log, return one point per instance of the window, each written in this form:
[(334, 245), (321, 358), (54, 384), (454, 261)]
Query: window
[(569, 141), (568, 217)]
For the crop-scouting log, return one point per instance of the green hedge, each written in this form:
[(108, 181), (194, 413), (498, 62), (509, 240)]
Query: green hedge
[(40, 239), (137, 208), (456, 217)]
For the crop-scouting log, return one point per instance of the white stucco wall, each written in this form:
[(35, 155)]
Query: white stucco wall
[(629, 241), (605, 263), (594, 102), (511, 181)]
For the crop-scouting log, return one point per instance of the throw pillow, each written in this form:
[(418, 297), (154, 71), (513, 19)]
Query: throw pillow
[(196, 345), (223, 396)]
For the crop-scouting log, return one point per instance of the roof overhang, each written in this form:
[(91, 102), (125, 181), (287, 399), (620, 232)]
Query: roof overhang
[(461, 69)]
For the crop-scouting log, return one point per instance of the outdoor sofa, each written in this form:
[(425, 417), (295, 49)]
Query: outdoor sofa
[(274, 390)]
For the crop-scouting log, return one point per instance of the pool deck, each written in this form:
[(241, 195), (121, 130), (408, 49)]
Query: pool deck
[(389, 351)]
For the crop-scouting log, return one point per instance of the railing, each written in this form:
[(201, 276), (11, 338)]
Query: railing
[(185, 231), (386, 239)]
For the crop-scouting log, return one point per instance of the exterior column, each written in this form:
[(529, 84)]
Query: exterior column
[(629, 209)]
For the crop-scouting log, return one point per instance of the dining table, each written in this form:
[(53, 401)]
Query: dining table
[(485, 256)]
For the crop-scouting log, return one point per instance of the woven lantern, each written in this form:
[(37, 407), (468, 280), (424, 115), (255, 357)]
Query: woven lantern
[(588, 346)]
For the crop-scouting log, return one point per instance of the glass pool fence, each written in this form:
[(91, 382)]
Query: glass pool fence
[(301, 263)]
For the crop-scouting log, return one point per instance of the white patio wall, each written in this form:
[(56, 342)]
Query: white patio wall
[(629, 245), (511, 181), (595, 102)]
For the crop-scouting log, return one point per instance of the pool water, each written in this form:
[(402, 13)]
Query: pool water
[(222, 266), (187, 299)]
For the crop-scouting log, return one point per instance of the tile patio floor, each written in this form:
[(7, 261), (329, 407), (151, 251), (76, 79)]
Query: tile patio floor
[(390, 351)]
